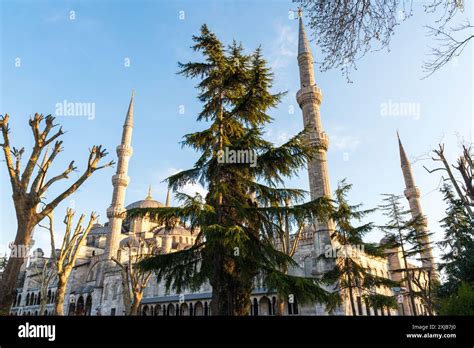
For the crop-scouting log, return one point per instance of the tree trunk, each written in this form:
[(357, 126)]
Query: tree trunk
[(127, 301), (61, 292), (280, 306), (351, 296), (18, 256), (137, 299)]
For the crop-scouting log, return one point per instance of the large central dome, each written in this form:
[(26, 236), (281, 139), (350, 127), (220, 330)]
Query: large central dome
[(148, 202)]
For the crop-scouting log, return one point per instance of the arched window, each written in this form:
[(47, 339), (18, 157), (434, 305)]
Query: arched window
[(106, 291), (171, 310), (88, 308), (72, 309), (264, 306), (255, 307), (39, 298), (49, 296), (198, 309), (157, 310), (28, 299), (18, 303), (114, 292), (80, 306), (184, 309), (145, 311)]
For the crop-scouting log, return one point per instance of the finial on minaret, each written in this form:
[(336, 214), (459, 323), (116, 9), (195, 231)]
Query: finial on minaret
[(149, 193), (168, 197), (300, 12)]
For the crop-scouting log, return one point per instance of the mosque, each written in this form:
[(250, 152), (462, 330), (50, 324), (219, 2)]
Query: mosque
[(95, 285)]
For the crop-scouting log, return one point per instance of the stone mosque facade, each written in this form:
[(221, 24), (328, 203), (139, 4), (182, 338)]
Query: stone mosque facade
[(95, 284)]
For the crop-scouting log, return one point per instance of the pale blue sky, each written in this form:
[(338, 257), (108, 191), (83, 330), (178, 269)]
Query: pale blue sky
[(82, 60)]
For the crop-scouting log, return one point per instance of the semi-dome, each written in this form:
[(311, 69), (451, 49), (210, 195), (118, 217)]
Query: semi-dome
[(130, 242)]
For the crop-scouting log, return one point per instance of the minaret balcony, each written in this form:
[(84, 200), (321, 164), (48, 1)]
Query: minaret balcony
[(120, 180), (115, 212), (319, 140), (124, 151), (310, 94)]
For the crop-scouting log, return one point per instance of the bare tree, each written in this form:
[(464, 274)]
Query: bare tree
[(464, 187), (70, 247), (346, 30), (45, 275), (424, 281), (449, 46), (134, 279), (29, 190)]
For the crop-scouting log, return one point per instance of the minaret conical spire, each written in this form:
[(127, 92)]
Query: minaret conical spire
[(309, 98), (120, 182), (412, 194), (303, 43)]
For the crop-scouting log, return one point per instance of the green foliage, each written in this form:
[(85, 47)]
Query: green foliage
[(406, 236), (350, 274), (459, 303), (238, 220), (457, 245)]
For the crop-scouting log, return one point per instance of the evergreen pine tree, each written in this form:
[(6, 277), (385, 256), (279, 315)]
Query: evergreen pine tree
[(404, 235), (236, 223), (457, 245), (352, 277)]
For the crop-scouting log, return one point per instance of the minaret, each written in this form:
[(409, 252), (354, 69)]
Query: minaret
[(309, 99), (412, 193), (120, 182)]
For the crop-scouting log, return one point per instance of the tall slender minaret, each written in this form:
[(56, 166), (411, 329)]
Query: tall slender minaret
[(309, 99), (412, 193), (120, 182)]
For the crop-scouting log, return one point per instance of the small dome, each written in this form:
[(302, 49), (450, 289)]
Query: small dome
[(130, 242), (98, 229)]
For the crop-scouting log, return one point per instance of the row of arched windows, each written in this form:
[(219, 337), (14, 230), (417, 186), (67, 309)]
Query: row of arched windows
[(33, 298), (264, 306), (192, 309), (81, 306)]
